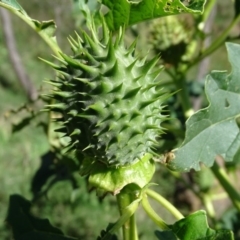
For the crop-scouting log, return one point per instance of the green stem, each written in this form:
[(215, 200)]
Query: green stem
[(129, 228), (165, 203), (217, 43), (207, 10), (180, 82), (205, 198), (153, 215), (209, 207), (226, 184), (50, 42)]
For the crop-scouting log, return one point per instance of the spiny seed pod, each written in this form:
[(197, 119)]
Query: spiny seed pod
[(109, 99), (170, 36)]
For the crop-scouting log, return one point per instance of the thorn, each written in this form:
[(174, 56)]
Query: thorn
[(88, 117), (132, 48), (92, 44), (87, 82), (78, 64), (57, 106), (75, 132), (112, 71), (146, 103), (110, 55), (50, 63), (73, 46), (149, 86), (131, 93), (105, 30), (149, 65), (73, 112), (64, 94), (117, 88), (88, 147), (119, 39), (131, 65), (80, 41), (53, 83), (61, 130)]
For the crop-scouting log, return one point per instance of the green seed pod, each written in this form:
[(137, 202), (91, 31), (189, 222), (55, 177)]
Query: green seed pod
[(170, 36), (109, 99)]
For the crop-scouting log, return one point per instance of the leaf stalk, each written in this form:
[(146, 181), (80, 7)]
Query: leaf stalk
[(165, 203), (153, 215), (222, 177)]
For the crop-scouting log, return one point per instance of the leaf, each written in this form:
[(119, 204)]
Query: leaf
[(104, 233), (25, 226), (195, 227), (231, 220), (213, 131), (13, 4), (49, 27), (124, 12)]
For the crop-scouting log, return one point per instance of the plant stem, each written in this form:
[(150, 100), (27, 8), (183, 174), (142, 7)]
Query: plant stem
[(153, 215), (207, 10), (209, 207), (226, 184), (165, 203), (217, 43), (180, 82), (129, 228)]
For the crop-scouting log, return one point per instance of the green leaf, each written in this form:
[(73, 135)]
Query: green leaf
[(213, 131), (13, 4), (105, 232), (25, 226), (124, 12), (195, 227), (48, 27)]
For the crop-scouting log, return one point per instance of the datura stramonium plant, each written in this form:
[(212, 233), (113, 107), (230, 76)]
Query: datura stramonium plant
[(111, 103)]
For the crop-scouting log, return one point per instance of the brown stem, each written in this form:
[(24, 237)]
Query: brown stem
[(15, 58)]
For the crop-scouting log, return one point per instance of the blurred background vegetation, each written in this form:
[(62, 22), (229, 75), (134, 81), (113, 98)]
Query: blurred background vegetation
[(68, 203)]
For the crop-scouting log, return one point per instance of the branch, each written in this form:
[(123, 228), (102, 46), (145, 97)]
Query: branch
[(204, 64), (15, 58)]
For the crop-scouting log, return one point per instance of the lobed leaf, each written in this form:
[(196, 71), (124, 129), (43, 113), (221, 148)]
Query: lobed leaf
[(214, 130), (124, 12)]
